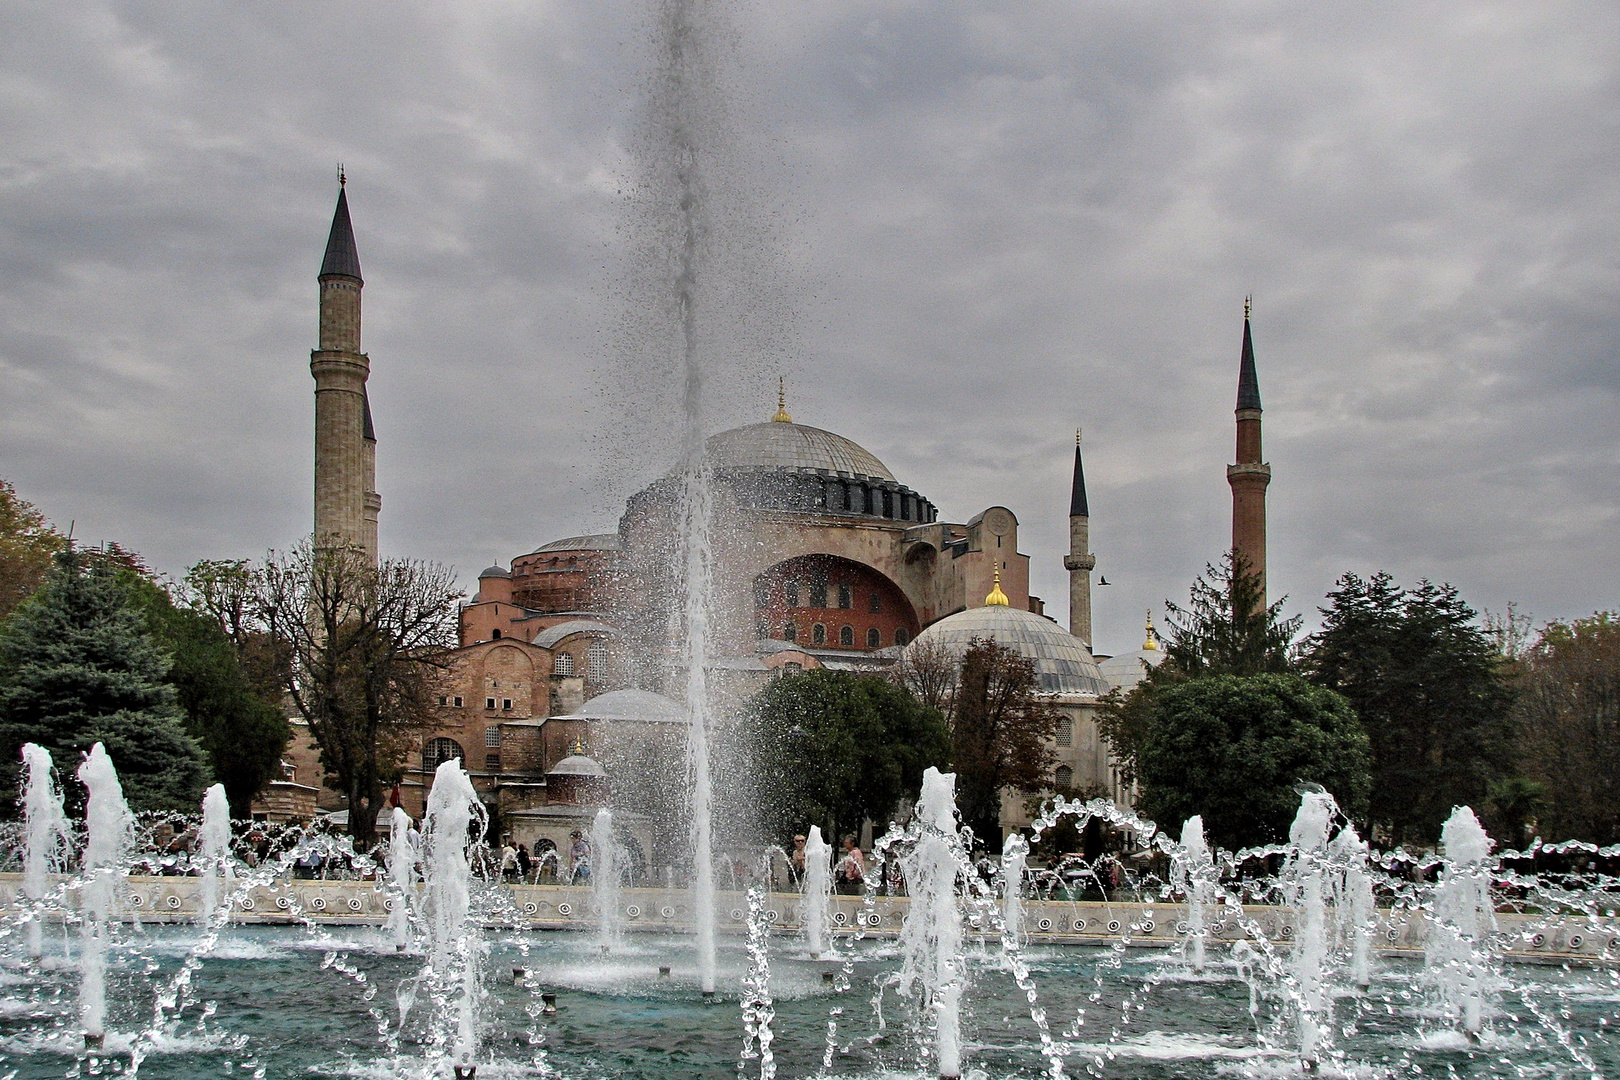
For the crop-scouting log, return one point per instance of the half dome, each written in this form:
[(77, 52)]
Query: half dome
[(1063, 664)]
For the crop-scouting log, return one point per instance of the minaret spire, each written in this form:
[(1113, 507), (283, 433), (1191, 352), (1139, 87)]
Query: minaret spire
[(1080, 562), (1250, 475), (346, 499)]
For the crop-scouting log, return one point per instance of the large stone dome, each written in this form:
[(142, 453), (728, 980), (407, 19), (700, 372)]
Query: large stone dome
[(777, 445), (1062, 662)]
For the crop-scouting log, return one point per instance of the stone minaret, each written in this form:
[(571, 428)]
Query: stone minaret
[(1080, 562), (1250, 475), (346, 500)]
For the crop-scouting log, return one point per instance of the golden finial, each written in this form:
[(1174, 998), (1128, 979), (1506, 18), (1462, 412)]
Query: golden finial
[(781, 416), (1152, 642), (1248, 306), (1077, 436), (997, 598), (579, 745), (343, 181)]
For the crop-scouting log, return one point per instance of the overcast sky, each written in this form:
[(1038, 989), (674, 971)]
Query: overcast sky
[(977, 225)]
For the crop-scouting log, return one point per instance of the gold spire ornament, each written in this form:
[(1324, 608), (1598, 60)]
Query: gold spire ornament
[(997, 598), (781, 416), (1151, 644)]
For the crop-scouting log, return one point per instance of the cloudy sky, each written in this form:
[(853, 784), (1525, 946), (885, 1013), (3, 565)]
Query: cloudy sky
[(967, 228)]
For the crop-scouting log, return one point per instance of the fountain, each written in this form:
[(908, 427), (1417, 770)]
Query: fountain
[(1457, 953), (402, 859), (1014, 854), (1198, 872), (607, 873), (214, 852), (108, 825), (814, 912), (931, 938), (45, 836), (1306, 879), (1354, 902), (454, 817)]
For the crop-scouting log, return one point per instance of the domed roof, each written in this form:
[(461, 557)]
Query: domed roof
[(1128, 669), (777, 445), (549, 637), (639, 705), (576, 765), (494, 572), (1063, 664)]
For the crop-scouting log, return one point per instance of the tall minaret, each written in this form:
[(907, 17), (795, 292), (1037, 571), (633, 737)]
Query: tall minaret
[(1250, 475), (1079, 562), (346, 501)]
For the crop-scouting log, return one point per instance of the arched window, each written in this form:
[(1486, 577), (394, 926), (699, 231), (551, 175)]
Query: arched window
[(874, 638), (846, 636), (846, 597), (790, 632), (790, 594), (596, 661), (818, 634), (762, 629), (439, 751), (1063, 778), (902, 636), (874, 602), (495, 634), (818, 591), (1065, 731), (562, 665)]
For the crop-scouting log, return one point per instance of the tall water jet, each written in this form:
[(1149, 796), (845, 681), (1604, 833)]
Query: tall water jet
[(815, 912), (213, 852), (931, 937), (402, 857), (45, 836), (1014, 854), (607, 872), (108, 828), (453, 947), (1198, 869), (1354, 903), (1307, 878), (1457, 950)]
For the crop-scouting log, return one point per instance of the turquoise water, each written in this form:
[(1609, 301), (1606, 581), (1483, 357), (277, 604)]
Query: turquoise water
[(281, 1002)]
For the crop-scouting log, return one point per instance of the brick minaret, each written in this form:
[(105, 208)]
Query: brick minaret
[(1250, 475), (346, 500), (1079, 562)]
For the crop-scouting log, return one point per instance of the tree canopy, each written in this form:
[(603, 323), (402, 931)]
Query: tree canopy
[(77, 667), (1235, 748), (1431, 690), (27, 543), (833, 748), (1001, 735)]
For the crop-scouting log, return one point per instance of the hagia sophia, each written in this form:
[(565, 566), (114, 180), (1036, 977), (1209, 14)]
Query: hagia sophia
[(556, 702)]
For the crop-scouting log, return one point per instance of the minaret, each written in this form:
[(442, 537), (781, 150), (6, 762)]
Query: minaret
[(346, 502), (1250, 475), (1079, 562)]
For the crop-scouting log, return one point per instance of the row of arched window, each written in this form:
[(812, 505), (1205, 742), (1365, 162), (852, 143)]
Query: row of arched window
[(846, 635), (596, 663)]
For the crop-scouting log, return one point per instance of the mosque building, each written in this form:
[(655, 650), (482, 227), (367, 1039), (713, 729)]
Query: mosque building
[(824, 558)]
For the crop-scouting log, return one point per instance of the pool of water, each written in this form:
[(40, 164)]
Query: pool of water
[(279, 1002)]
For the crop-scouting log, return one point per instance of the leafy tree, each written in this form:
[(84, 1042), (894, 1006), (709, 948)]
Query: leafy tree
[(77, 668), (1430, 687), (243, 732), (1235, 748), (1001, 734), (367, 647), (27, 543), (834, 748), (1568, 714)]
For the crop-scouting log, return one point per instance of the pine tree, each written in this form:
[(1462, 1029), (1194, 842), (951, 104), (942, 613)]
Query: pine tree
[(77, 668)]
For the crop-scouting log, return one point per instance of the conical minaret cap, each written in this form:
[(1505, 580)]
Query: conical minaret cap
[(342, 258), (1077, 498), (1248, 381)]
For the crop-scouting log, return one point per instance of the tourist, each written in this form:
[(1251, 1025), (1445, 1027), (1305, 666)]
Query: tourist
[(851, 869), (509, 861), (797, 858), (579, 855), (525, 861)]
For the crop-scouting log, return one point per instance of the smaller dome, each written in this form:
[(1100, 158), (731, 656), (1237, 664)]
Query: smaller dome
[(1063, 664), (1128, 669), (642, 706), (576, 765), (494, 571)]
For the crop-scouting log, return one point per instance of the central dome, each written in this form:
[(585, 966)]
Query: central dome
[(777, 445)]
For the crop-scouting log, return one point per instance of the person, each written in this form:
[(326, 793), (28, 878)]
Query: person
[(525, 862), (580, 856), (509, 861), (851, 869), (797, 859)]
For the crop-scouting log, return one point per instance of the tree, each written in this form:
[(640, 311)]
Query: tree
[(76, 668), (1430, 687), (243, 732), (27, 544), (1568, 714), (833, 748), (1235, 748), (368, 645), (1001, 734)]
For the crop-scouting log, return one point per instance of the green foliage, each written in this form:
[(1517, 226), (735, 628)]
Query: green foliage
[(1568, 718), (1234, 748), (242, 730), (1430, 687), (833, 748), (77, 668), (27, 543)]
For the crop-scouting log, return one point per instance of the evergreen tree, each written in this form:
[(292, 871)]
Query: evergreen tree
[(1429, 686), (77, 668)]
